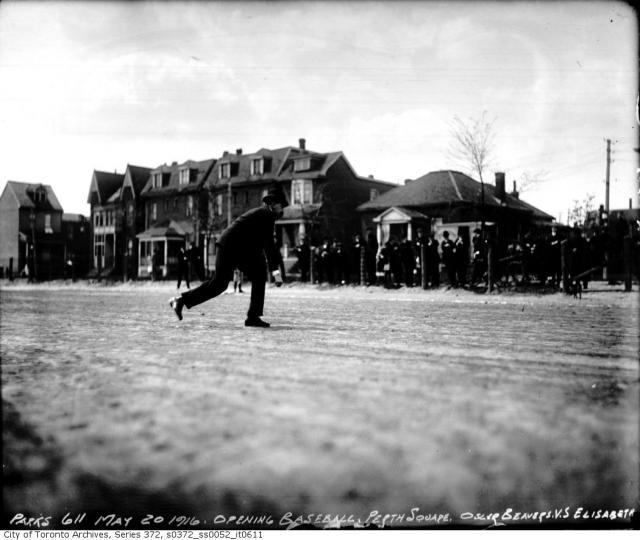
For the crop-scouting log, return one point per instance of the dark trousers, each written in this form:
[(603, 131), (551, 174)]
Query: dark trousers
[(183, 272), (254, 268)]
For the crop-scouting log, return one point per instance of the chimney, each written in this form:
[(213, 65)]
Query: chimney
[(225, 153), (515, 193), (500, 185), (370, 177), (630, 203), (238, 151), (302, 144), (174, 164), (407, 181)]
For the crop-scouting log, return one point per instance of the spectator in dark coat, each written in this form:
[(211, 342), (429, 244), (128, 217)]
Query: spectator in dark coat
[(462, 261), (243, 245), (183, 267), (449, 258), (408, 261), (371, 251), (195, 260), (303, 253), (433, 262), (479, 257)]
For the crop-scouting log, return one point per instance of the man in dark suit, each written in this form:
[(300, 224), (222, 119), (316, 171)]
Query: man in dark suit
[(243, 245)]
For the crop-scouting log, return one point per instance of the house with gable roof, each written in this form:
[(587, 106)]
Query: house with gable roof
[(450, 200), (175, 212), (31, 225), (323, 191)]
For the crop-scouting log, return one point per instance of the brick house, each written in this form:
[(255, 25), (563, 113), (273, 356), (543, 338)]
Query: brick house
[(175, 208), (117, 215), (106, 212), (450, 200), (76, 232), (31, 230), (323, 190)]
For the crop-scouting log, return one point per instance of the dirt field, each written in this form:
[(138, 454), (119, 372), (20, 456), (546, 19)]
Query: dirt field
[(357, 403)]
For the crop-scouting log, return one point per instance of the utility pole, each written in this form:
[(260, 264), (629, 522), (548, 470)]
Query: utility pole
[(606, 196)]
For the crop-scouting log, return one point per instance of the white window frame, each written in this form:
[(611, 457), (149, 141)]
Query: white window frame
[(257, 166), (184, 176), (302, 164), (219, 203), (154, 211), (190, 205), (47, 224), (301, 191), (225, 170)]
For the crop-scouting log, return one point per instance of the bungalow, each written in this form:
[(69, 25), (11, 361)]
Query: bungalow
[(450, 200)]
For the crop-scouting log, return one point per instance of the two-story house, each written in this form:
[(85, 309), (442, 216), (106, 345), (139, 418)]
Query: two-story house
[(106, 219), (175, 212), (323, 189), (31, 231)]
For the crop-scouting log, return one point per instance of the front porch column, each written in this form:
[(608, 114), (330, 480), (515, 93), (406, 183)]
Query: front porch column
[(166, 255), (410, 231), (139, 257)]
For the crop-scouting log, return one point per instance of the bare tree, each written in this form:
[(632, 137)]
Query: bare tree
[(529, 179), (578, 214), (473, 142), (472, 145)]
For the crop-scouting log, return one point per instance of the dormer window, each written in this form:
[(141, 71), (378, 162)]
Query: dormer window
[(373, 194), (184, 176), (257, 166), (156, 180), (303, 164), (40, 195), (225, 170)]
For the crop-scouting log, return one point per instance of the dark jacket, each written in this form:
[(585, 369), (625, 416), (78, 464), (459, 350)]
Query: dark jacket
[(250, 235)]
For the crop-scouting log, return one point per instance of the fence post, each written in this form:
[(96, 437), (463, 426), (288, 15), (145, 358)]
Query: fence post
[(312, 268), (490, 277), (564, 266), (424, 278), (627, 263)]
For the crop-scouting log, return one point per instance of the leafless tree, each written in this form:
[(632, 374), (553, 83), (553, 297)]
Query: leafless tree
[(578, 214), (472, 143), (529, 179)]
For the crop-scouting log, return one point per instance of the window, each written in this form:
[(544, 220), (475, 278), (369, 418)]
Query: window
[(257, 166), (47, 224), (235, 198), (166, 205), (303, 164), (373, 194), (96, 219), (219, 203), (302, 192), (225, 170), (190, 205), (156, 180), (154, 211), (175, 203), (184, 176)]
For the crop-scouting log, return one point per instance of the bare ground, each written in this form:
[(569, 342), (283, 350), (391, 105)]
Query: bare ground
[(356, 400)]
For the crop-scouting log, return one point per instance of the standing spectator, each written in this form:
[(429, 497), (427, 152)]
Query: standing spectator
[(396, 264), (408, 261), (155, 263), (462, 261), (384, 265), (195, 261), (340, 263), (326, 262), (371, 251), (354, 260), (479, 257), (417, 249), (303, 252), (433, 262), (449, 258), (183, 267), (553, 257), (238, 277)]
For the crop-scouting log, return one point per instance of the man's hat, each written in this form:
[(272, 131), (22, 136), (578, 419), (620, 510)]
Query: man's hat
[(275, 194)]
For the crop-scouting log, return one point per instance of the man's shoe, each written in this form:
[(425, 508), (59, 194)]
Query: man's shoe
[(256, 321), (177, 304)]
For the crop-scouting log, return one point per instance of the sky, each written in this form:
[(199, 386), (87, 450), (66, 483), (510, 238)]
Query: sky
[(99, 85)]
